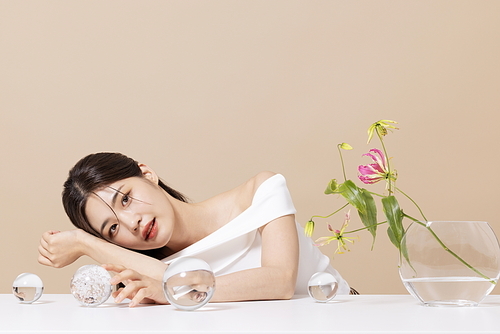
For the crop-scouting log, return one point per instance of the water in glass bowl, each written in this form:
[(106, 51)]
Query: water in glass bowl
[(449, 291)]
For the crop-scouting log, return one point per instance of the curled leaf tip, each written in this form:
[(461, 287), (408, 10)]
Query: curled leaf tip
[(332, 187)]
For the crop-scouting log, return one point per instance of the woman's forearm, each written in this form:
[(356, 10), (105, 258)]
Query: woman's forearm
[(263, 283), (104, 252)]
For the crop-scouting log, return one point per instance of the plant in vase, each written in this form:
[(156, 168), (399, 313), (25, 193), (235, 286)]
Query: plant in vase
[(441, 263)]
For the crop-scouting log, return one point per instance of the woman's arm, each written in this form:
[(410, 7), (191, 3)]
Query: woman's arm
[(59, 249), (275, 279), (277, 276)]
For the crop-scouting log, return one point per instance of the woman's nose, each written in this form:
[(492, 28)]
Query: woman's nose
[(131, 220)]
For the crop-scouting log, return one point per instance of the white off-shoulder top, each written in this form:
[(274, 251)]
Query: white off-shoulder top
[(237, 245)]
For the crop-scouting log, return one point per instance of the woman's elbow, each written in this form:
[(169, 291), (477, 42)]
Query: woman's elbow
[(288, 293), (288, 285)]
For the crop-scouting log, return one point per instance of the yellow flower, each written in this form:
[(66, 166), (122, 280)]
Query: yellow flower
[(339, 236), (309, 229), (381, 128), (345, 146)]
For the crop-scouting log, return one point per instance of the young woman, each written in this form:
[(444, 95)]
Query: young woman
[(132, 222)]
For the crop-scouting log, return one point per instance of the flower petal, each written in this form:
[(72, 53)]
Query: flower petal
[(371, 129), (309, 229), (369, 180), (381, 155), (370, 169), (381, 128), (324, 241)]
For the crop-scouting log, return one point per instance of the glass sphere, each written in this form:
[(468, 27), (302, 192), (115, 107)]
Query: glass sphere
[(188, 283), (90, 285), (322, 287), (27, 287)]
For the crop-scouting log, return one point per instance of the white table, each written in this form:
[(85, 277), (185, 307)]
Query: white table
[(346, 314)]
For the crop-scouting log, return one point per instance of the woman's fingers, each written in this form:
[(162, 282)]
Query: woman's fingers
[(138, 288), (44, 243), (43, 253), (131, 291), (46, 236), (113, 267), (123, 275), (132, 280), (44, 260), (139, 297)]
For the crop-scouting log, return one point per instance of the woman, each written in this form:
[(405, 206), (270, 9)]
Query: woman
[(125, 215)]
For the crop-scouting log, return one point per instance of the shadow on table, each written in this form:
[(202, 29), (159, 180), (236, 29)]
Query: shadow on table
[(40, 302), (211, 307)]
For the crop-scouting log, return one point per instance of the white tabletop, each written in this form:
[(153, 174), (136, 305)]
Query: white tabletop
[(346, 314)]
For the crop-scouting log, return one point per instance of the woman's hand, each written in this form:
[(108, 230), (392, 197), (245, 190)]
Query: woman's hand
[(138, 288), (59, 249)]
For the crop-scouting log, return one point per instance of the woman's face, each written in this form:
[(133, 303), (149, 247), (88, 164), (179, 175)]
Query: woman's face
[(134, 213)]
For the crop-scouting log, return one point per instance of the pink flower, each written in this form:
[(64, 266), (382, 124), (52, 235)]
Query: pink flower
[(377, 171)]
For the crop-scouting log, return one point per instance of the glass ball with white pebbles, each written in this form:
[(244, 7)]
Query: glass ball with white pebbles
[(90, 285)]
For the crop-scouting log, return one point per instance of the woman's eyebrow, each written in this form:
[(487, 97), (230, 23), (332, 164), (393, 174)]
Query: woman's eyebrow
[(115, 195), (113, 200), (104, 225)]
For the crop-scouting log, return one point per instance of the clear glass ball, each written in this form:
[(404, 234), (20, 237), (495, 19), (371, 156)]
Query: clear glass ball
[(322, 287), (188, 283), (90, 285), (27, 287)]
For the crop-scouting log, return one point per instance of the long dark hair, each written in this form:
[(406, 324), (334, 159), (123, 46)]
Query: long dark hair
[(94, 172)]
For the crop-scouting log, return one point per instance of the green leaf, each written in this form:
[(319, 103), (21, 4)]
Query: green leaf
[(353, 195), (392, 237), (404, 252), (394, 217), (369, 218), (332, 187)]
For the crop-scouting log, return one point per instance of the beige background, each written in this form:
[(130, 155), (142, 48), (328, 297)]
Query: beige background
[(210, 92)]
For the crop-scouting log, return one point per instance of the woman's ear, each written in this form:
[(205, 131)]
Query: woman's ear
[(148, 173)]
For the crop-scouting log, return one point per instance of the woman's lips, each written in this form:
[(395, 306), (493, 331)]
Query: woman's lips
[(150, 230)]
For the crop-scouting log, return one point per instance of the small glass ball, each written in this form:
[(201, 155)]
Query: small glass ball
[(188, 283), (28, 288), (322, 287), (90, 285)]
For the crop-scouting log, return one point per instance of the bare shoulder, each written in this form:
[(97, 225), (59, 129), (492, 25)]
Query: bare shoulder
[(231, 203), (244, 193), (258, 179)]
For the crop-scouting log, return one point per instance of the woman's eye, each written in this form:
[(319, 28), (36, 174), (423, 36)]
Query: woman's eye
[(113, 228), (125, 199)]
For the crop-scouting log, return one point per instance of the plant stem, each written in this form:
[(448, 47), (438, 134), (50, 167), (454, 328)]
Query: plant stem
[(364, 228), (449, 250), (331, 214), (375, 194), (411, 199), (389, 181), (342, 162)]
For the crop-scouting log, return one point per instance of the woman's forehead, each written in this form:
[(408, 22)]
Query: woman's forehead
[(99, 200), (119, 184)]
